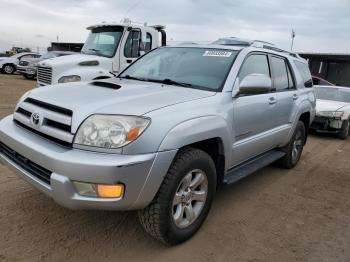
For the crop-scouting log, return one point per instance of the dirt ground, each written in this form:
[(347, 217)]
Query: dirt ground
[(274, 215)]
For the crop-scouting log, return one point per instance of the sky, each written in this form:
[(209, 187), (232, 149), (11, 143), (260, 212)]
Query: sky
[(320, 26)]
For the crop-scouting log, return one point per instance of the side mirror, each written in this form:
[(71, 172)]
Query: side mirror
[(255, 84)]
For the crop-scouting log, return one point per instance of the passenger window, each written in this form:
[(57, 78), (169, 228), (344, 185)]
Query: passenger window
[(148, 45), (254, 64), (290, 77), (132, 45), (280, 74), (304, 70)]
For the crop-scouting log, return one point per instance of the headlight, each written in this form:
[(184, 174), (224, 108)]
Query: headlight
[(110, 131), (66, 79), (330, 113)]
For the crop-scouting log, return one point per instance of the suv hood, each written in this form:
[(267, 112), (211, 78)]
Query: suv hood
[(329, 105), (124, 97), (70, 61)]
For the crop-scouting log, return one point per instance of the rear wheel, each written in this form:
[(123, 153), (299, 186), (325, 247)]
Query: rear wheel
[(295, 147), (8, 69), (183, 200), (345, 129)]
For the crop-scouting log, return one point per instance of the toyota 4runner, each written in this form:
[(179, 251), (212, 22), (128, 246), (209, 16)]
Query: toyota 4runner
[(166, 133)]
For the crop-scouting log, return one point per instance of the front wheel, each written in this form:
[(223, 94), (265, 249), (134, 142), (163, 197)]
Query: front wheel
[(345, 129), (295, 147), (8, 69), (183, 200), (30, 77)]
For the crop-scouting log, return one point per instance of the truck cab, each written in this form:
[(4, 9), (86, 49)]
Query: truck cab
[(109, 48)]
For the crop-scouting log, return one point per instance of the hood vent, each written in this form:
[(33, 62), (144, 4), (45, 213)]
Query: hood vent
[(106, 84)]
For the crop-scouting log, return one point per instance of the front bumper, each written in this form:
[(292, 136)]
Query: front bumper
[(326, 125), (141, 174), (26, 70)]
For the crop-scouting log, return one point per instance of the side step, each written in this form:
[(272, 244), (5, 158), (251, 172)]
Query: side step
[(251, 166)]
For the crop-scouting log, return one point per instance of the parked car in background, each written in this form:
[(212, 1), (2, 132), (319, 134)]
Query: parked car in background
[(4, 55), (8, 65), (28, 66), (318, 81), (332, 110), (165, 134)]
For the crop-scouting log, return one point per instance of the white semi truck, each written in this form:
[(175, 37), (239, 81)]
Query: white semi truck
[(109, 48)]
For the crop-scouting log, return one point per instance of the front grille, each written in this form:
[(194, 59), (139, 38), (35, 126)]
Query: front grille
[(44, 75), (52, 122), (34, 169), (23, 63)]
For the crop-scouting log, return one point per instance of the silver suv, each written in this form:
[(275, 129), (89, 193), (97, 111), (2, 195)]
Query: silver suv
[(166, 133)]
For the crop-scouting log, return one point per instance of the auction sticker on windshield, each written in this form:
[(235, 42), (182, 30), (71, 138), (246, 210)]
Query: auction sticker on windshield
[(217, 53)]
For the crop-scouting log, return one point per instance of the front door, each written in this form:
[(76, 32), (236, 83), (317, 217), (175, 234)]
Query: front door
[(253, 114)]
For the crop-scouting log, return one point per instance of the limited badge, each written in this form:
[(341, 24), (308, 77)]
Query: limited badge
[(217, 53)]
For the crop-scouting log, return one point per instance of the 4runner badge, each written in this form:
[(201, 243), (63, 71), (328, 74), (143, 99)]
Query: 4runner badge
[(35, 119)]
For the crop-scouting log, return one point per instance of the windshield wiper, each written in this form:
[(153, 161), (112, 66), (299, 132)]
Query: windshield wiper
[(134, 78), (168, 81)]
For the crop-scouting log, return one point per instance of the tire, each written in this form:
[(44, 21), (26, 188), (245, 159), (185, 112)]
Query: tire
[(8, 69), (294, 148), (345, 129), (166, 218), (30, 77)]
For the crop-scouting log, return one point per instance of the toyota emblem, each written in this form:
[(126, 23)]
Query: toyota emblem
[(35, 119)]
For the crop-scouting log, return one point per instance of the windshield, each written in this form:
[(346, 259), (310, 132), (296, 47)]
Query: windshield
[(200, 68), (103, 41), (333, 93)]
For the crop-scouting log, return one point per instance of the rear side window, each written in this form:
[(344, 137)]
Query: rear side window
[(254, 64), (280, 73), (304, 70)]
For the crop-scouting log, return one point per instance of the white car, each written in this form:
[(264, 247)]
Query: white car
[(8, 65), (332, 110)]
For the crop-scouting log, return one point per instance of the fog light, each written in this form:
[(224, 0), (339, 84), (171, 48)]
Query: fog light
[(99, 190)]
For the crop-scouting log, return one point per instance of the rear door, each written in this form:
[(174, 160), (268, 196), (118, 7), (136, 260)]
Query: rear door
[(286, 92)]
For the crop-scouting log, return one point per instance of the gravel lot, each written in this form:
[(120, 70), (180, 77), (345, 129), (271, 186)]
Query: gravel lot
[(274, 215)]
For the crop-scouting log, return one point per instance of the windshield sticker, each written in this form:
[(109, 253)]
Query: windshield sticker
[(217, 53)]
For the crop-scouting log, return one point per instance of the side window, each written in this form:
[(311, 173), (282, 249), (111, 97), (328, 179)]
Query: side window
[(148, 45), (304, 70), (280, 74), (131, 49), (254, 64)]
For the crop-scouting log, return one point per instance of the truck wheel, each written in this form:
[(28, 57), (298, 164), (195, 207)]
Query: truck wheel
[(183, 200), (295, 147), (345, 129), (8, 69)]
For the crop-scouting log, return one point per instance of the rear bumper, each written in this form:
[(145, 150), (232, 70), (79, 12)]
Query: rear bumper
[(141, 174), (326, 125)]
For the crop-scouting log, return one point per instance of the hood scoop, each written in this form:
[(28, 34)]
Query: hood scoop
[(106, 84)]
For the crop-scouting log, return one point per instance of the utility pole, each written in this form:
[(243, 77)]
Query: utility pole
[(293, 36)]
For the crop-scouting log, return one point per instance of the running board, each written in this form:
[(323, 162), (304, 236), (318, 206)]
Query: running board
[(251, 166)]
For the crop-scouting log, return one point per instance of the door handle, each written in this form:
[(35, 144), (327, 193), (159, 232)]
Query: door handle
[(129, 61), (295, 97), (272, 100)]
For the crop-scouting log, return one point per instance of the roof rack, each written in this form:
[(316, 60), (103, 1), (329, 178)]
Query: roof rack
[(235, 41)]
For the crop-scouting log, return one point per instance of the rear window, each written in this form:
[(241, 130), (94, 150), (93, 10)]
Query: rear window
[(304, 70)]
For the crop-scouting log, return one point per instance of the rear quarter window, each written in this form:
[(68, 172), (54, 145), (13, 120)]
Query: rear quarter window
[(304, 71)]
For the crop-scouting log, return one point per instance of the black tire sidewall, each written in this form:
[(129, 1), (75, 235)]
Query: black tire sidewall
[(168, 227), (343, 134), (288, 160)]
